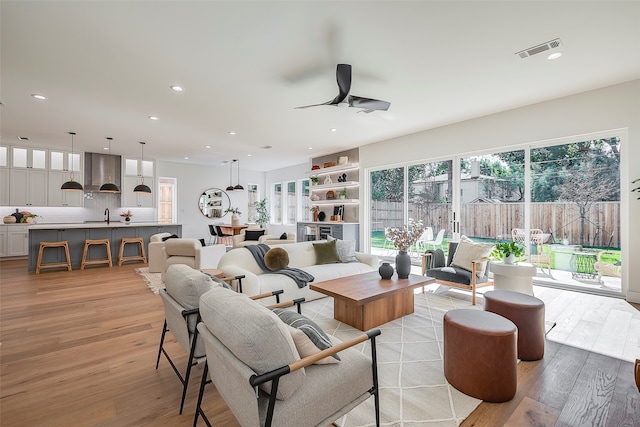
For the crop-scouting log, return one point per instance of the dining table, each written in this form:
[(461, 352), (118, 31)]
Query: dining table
[(233, 229)]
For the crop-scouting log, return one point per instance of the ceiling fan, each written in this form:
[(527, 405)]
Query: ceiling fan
[(343, 77)]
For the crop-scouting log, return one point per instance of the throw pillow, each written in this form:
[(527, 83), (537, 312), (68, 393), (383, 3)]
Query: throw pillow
[(346, 249), (326, 253), (173, 236), (308, 337), (283, 236), (468, 251), (253, 234), (276, 259)]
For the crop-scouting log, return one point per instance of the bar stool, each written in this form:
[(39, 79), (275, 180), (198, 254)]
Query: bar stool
[(138, 240), (90, 242), (63, 244)]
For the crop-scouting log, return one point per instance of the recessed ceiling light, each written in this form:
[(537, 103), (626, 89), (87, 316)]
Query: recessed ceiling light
[(555, 55), (310, 148), (38, 96), (231, 132), (249, 155), (207, 146), (333, 129), (266, 147), (176, 88), (105, 148), (153, 117), (186, 158)]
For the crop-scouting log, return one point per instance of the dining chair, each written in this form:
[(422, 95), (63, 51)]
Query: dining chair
[(212, 234), (223, 235)]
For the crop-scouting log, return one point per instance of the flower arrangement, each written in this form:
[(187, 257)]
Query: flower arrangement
[(404, 238), (127, 214), (315, 208), (233, 211)]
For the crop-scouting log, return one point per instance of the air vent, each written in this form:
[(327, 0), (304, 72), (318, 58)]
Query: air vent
[(23, 138), (553, 44)]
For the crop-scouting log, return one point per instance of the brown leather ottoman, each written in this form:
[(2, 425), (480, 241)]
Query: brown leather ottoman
[(527, 312), (480, 354)]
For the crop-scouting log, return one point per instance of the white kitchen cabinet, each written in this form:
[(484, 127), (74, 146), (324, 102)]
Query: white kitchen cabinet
[(65, 161), (140, 200), (58, 197), (3, 240), (17, 240), (137, 167), (4, 186), (28, 158), (28, 187)]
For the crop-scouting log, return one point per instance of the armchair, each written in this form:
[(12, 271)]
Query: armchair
[(155, 250), (274, 239), (192, 253), (466, 266), (248, 237), (257, 370)]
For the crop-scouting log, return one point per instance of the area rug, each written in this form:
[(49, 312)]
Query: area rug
[(413, 389), (153, 280)]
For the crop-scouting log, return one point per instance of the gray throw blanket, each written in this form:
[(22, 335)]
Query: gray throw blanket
[(301, 277)]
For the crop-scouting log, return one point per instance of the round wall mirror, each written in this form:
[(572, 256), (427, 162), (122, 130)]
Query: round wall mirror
[(213, 203)]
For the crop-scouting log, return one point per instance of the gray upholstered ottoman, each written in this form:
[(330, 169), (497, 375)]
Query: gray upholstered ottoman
[(527, 312), (480, 354)]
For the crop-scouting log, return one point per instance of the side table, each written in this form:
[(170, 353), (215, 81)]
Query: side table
[(513, 277)]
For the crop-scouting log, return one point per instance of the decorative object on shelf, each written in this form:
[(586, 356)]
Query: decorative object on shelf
[(386, 271), (343, 160), (331, 195), (321, 216), (315, 210), (315, 167), (342, 194), (71, 185), (9, 219), (142, 187), (328, 180), (314, 197), (329, 164), (342, 178), (109, 187), (403, 265), (509, 252), (127, 216), (314, 180)]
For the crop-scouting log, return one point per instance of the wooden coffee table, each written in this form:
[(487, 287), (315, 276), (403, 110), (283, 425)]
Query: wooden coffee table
[(365, 301)]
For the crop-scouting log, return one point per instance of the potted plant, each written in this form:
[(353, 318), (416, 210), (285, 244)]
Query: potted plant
[(315, 209), (262, 213), (127, 216), (342, 194), (403, 239), (508, 252), (314, 180)]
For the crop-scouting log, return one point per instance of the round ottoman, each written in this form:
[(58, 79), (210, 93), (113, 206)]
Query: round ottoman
[(527, 312), (480, 354)]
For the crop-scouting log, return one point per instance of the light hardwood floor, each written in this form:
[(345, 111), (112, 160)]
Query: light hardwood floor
[(78, 349)]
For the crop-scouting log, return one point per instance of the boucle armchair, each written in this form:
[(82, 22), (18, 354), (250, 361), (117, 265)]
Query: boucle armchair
[(192, 253), (155, 250), (255, 366)]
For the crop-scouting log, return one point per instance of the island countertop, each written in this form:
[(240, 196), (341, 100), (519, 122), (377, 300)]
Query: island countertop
[(76, 234), (97, 224)]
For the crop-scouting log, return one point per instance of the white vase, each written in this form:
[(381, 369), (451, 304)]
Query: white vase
[(511, 259), (235, 219)]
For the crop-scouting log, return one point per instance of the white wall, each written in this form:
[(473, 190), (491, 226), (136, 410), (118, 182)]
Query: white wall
[(192, 180), (615, 107)]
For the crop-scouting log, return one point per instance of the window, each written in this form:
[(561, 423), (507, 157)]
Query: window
[(276, 208), (253, 198), (290, 214), (166, 200), (304, 201)]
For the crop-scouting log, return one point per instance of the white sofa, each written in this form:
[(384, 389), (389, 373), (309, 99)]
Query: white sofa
[(301, 255), (240, 241)]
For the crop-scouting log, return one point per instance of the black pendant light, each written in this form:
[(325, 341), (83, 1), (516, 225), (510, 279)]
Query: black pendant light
[(109, 187), (71, 185), (238, 187), (142, 188), (230, 187)]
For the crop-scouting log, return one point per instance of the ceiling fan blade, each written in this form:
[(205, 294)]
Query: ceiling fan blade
[(368, 103), (314, 105), (343, 78)]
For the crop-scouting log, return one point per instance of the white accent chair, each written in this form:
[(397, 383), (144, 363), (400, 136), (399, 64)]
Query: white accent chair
[(192, 253), (155, 250)]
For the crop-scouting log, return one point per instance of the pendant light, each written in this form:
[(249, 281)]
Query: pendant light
[(230, 187), (142, 188), (109, 187), (71, 185), (238, 187)]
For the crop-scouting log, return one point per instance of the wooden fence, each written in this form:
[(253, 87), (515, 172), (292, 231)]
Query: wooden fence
[(496, 220)]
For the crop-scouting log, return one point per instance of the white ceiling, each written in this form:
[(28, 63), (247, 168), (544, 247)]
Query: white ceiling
[(106, 66)]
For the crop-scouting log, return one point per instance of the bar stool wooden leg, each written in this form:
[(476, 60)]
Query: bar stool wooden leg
[(63, 244), (105, 260), (137, 240)]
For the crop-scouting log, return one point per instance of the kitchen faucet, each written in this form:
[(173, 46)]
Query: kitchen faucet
[(106, 214)]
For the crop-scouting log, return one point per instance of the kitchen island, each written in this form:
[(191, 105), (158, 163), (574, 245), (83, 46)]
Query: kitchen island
[(77, 233)]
